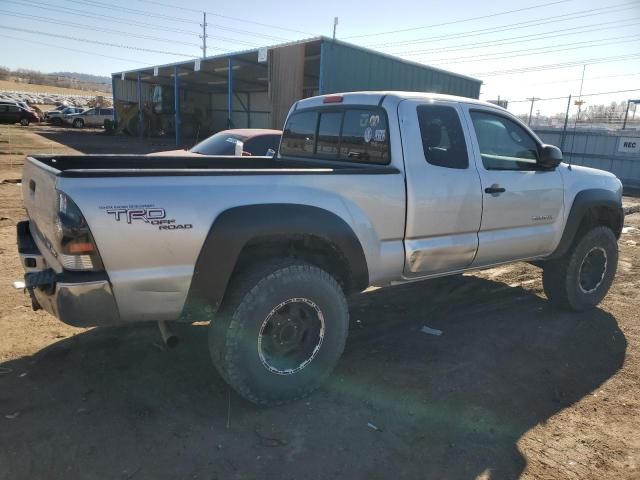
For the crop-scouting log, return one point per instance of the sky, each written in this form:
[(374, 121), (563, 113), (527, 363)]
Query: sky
[(508, 45)]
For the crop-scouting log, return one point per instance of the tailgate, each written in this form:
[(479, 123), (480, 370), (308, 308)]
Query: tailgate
[(40, 199)]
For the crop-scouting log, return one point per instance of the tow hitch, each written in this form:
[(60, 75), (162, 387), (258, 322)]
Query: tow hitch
[(44, 279)]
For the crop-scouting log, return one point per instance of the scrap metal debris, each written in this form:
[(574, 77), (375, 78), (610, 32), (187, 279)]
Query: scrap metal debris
[(373, 427), (431, 331)]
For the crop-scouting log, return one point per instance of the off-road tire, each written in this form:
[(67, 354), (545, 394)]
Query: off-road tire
[(78, 123), (561, 277), (234, 331)]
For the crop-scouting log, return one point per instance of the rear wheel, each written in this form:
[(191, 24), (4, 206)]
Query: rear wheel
[(582, 277), (78, 123), (24, 122), (280, 331)]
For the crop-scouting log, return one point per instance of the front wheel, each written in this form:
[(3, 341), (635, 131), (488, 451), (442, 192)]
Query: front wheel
[(24, 122), (582, 277), (280, 331), (78, 123)]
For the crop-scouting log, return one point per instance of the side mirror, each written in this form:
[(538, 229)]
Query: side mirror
[(549, 157)]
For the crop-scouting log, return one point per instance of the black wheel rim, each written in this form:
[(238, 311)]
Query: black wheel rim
[(291, 336), (592, 270)]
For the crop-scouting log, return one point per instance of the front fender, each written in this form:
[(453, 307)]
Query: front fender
[(583, 202)]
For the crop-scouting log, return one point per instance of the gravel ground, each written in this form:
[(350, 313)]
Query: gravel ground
[(511, 389)]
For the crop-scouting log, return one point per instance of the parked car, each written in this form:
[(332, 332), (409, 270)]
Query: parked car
[(235, 142), (12, 113), (59, 108), (368, 189), (55, 117), (94, 117)]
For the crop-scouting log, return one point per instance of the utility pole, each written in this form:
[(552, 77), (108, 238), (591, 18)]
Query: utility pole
[(580, 102), (626, 114), (204, 34), (335, 24), (566, 120), (533, 100)]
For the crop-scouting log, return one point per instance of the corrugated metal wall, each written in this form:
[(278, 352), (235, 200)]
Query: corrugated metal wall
[(598, 149), (346, 68), (127, 90)]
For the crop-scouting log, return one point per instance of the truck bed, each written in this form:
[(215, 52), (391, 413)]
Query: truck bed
[(143, 165)]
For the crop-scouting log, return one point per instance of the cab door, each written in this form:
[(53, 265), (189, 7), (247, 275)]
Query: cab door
[(522, 204), (90, 117), (13, 114), (444, 199)]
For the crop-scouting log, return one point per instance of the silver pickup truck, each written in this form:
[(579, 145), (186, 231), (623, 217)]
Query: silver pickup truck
[(373, 188)]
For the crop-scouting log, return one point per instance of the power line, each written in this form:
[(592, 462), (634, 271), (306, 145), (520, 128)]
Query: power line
[(95, 42), (460, 20), (571, 80), (94, 28), (554, 66), (583, 95), (527, 38), (46, 44), (120, 32), (172, 18), (556, 82), (533, 51), (514, 26), (243, 20), (100, 16), (137, 23)]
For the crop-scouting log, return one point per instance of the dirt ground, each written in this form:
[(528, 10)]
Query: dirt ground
[(511, 389)]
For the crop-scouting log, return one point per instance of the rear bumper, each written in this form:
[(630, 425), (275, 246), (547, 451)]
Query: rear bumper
[(81, 299)]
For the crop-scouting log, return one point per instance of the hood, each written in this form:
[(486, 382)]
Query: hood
[(577, 178)]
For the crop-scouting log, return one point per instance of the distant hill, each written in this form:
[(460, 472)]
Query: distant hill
[(84, 77), (73, 80)]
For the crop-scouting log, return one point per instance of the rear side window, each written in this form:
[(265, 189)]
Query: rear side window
[(364, 136), (442, 137), (349, 134), (329, 134), (300, 134)]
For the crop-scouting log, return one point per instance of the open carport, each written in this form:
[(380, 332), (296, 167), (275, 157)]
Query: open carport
[(256, 88)]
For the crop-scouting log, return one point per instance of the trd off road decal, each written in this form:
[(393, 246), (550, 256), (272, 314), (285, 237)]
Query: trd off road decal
[(150, 214)]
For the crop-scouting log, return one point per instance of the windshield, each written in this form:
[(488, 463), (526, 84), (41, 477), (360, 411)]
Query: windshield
[(220, 144)]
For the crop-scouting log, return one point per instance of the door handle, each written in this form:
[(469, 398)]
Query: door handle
[(494, 189)]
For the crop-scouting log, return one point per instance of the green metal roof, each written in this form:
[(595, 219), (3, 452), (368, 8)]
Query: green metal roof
[(347, 68)]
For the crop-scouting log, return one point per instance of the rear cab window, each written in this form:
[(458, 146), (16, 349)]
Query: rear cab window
[(349, 133)]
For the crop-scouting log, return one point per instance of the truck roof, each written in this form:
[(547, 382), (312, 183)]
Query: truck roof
[(374, 98)]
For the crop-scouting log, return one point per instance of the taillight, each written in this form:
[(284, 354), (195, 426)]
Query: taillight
[(74, 243), (332, 99)]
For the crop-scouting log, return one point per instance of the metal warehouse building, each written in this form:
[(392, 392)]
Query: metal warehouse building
[(256, 88)]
